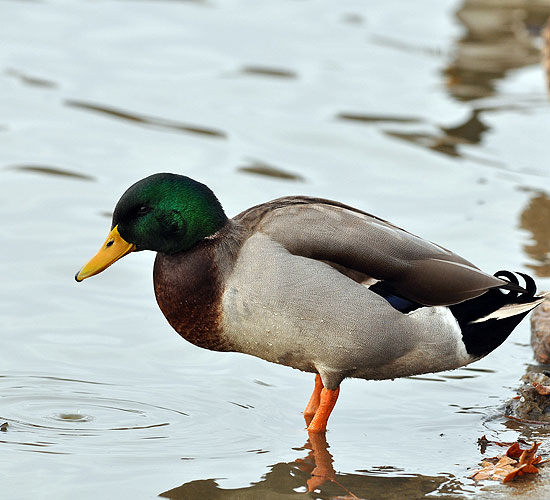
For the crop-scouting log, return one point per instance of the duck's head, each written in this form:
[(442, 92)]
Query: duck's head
[(167, 213)]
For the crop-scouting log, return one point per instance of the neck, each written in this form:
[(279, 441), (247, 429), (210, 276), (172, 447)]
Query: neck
[(188, 292), (189, 287)]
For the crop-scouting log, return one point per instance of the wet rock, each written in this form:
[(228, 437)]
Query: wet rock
[(540, 332), (531, 405)]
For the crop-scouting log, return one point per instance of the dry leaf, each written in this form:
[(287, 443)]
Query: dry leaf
[(524, 469), (543, 390), (528, 456), (514, 451), (515, 463), (495, 471)]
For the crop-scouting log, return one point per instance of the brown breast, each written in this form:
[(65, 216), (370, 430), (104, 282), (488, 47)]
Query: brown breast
[(188, 291)]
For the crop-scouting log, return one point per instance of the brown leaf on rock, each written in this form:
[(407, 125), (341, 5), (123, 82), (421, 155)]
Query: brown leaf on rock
[(543, 390), (495, 471), (515, 463), (514, 451), (524, 469), (528, 456)]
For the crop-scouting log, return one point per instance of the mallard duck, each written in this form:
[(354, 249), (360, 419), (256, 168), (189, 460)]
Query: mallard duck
[(312, 284)]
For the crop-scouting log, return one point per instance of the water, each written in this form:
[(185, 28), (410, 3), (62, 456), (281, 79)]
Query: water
[(434, 117)]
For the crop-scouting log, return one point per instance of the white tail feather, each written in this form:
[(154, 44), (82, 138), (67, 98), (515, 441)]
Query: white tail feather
[(513, 309)]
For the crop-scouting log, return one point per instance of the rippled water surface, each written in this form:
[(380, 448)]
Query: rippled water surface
[(433, 115)]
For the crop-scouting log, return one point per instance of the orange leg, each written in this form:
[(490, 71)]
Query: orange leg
[(328, 400), (314, 400)]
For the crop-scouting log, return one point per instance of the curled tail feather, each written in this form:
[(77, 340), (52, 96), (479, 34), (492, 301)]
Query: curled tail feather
[(487, 321)]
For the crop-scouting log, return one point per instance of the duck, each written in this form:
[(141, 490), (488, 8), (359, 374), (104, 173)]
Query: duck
[(312, 284)]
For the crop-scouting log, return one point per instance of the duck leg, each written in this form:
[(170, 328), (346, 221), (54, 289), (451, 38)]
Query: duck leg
[(328, 399), (314, 400)]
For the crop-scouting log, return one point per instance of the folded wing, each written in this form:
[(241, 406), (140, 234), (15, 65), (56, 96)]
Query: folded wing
[(358, 243)]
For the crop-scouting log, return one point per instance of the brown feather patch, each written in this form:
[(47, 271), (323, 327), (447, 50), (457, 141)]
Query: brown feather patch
[(188, 289)]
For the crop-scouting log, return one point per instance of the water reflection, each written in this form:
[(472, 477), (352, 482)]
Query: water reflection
[(396, 43), (264, 169), (536, 219), (448, 139), (444, 140), (33, 81), (498, 37), (315, 474), (148, 121), (47, 170), (353, 18), (366, 118), (268, 71)]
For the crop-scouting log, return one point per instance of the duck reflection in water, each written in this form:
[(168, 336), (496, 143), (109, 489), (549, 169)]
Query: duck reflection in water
[(318, 462), (315, 473)]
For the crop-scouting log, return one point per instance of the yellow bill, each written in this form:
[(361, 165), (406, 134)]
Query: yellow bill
[(113, 249)]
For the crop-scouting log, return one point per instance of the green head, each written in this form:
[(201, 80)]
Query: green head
[(167, 213)]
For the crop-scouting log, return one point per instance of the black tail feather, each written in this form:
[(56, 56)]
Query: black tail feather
[(513, 283), (483, 331), (530, 284)]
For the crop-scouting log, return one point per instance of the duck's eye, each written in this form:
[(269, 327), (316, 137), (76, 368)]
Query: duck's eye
[(144, 209)]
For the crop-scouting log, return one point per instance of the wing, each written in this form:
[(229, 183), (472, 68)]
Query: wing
[(357, 242)]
